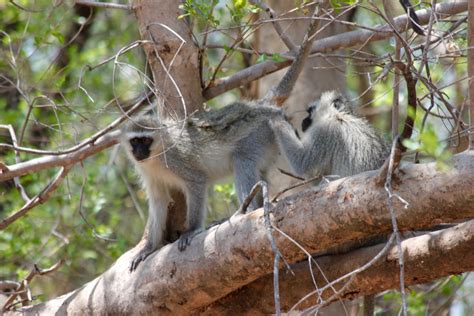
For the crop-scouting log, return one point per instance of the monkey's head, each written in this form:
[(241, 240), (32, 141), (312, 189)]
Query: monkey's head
[(139, 136), (331, 103)]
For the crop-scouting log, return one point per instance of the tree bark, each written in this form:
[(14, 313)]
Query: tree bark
[(426, 258), (237, 252), (171, 55)]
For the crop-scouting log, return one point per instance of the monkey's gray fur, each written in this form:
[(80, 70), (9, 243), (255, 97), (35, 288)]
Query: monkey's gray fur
[(210, 146), (335, 140), (205, 148)]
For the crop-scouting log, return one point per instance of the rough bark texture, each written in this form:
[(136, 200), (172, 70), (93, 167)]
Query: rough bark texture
[(235, 253), (427, 257), (155, 20)]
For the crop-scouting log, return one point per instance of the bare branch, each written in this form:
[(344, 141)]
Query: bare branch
[(332, 43), (38, 199), (51, 161), (24, 284), (284, 37), (108, 5)]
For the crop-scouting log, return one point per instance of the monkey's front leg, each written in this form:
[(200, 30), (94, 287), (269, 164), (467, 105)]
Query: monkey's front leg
[(196, 205), (142, 255), (158, 210)]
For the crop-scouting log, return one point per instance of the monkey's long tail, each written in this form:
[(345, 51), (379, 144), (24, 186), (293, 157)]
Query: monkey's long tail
[(281, 92)]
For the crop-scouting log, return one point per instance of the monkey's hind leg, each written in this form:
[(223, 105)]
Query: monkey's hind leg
[(196, 209), (246, 176)]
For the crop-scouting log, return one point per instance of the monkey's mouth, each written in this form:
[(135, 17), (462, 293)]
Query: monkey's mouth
[(141, 156)]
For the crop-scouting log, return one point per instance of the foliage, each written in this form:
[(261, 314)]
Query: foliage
[(58, 71)]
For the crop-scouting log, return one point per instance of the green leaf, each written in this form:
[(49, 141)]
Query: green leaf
[(277, 58), (262, 58)]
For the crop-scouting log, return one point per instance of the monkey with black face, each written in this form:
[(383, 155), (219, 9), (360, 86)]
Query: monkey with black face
[(236, 139), (335, 140), (188, 157)]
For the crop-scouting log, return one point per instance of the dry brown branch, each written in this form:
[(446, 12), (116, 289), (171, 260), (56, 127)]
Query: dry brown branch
[(64, 160), (4, 168), (171, 281), (108, 5), (276, 25), (25, 283), (427, 257), (38, 199), (332, 43)]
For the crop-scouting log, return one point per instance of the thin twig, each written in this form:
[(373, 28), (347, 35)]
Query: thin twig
[(299, 184), (284, 37), (4, 168), (329, 44), (107, 5), (396, 232), (38, 199), (24, 284), (261, 186)]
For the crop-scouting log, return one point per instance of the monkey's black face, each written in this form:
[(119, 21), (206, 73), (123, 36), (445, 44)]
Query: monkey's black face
[(141, 147), (306, 123)]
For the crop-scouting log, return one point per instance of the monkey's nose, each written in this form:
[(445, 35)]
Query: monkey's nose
[(141, 155)]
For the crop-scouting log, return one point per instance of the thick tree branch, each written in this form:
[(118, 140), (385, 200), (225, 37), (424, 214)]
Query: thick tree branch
[(426, 257), (333, 43), (65, 160), (237, 252)]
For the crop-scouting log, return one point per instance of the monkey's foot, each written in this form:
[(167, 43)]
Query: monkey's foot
[(141, 256), (185, 239)]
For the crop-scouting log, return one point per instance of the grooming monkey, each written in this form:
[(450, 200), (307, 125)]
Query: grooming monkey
[(335, 140), (210, 146)]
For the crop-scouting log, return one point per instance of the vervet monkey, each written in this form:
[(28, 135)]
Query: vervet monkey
[(236, 139), (188, 157), (335, 140)]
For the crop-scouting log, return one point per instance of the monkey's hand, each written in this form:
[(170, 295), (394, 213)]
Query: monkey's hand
[(186, 238), (141, 256), (279, 124)]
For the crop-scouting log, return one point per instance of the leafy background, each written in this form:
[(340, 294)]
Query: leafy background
[(99, 212)]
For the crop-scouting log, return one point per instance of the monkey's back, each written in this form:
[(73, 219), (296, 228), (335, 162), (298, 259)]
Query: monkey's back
[(346, 145), (361, 148), (208, 140)]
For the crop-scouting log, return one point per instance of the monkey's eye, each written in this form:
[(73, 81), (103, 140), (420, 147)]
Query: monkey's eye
[(338, 103), (141, 141), (147, 141)]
